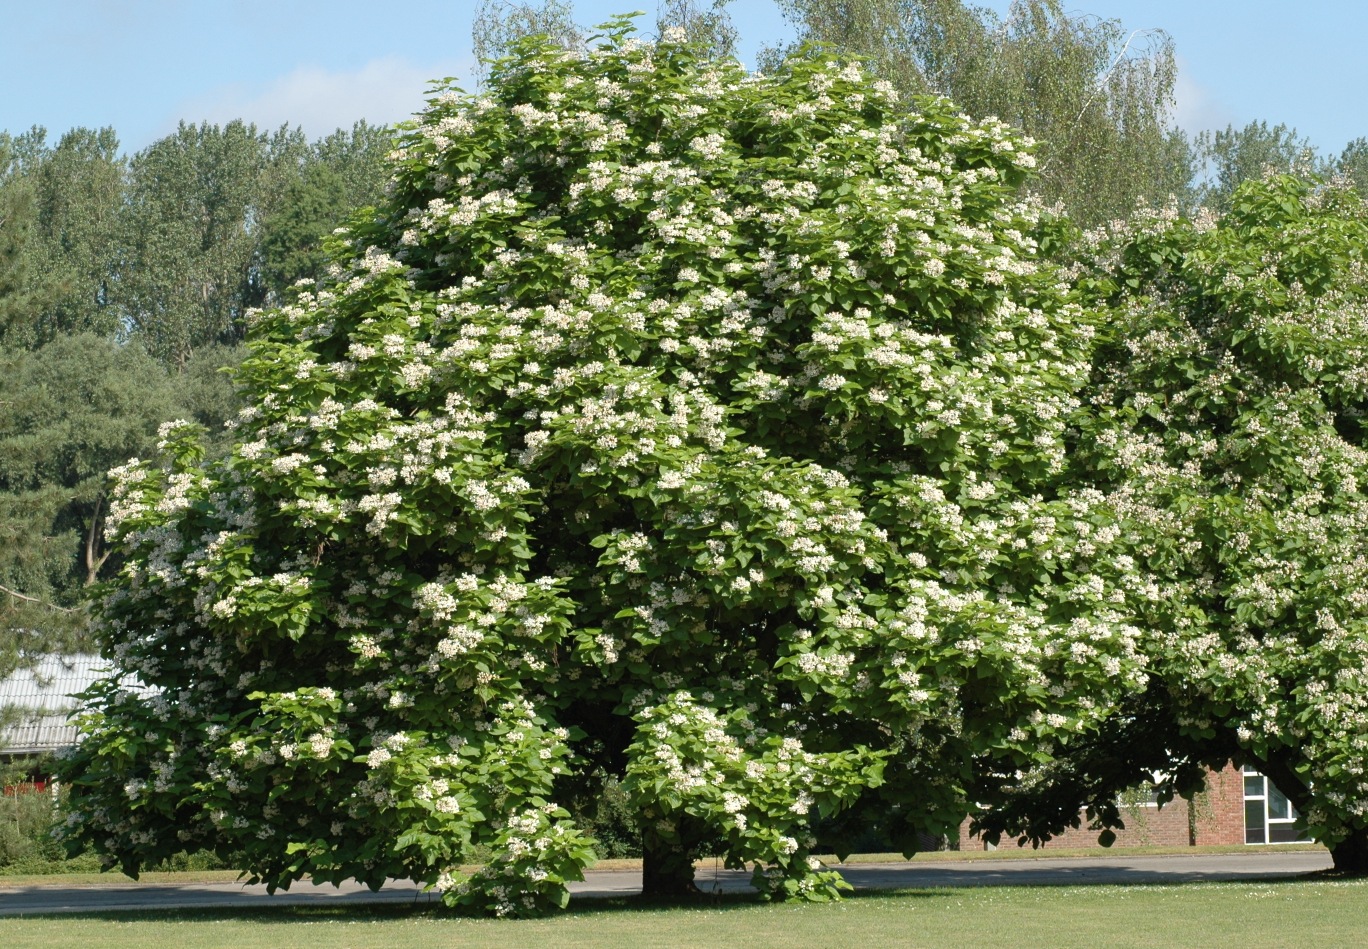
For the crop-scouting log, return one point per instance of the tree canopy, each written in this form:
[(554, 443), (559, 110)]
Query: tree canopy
[(500, 24), (190, 271), (341, 173), (706, 427), (1233, 156), (59, 208), (1099, 98), (1232, 392)]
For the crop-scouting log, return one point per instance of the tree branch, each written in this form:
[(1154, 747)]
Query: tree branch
[(30, 599)]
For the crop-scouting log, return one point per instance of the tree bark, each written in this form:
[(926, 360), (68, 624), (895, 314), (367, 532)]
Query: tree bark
[(1351, 854), (93, 561), (667, 870)]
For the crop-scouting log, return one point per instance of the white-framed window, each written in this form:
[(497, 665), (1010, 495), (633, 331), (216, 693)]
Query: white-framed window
[(1269, 817)]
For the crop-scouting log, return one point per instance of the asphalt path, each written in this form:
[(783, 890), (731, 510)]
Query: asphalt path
[(44, 899)]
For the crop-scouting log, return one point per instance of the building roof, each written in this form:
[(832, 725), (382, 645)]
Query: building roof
[(42, 697)]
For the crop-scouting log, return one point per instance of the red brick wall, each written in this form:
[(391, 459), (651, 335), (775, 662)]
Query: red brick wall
[(1216, 816), (1220, 810)]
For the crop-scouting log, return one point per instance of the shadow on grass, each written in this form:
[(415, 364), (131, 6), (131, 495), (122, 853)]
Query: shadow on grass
[(427, 907)]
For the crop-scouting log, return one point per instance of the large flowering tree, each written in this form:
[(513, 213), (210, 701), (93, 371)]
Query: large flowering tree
[(1235, 380), (703, 426)]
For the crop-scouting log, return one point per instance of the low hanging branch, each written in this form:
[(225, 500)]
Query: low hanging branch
[(30, 599)]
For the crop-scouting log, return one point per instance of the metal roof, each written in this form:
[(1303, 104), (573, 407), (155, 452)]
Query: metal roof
[(42, 697)]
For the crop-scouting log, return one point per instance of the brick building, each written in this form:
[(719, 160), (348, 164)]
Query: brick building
[(1237, 807)]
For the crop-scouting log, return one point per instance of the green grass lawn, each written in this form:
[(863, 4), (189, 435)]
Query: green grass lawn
[(1324, 914)]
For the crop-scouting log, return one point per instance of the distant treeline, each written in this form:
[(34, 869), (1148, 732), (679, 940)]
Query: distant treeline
[(124, 282), (168, 248)]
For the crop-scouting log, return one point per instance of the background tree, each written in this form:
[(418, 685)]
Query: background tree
[(359, 157), (293, 236), (79, 194), (1352, 164), (61, 203), (18, 295), (340, 173), (1236, 386), (500, 24), (666, 420), (1098, 98), (194, 204), (708, 25), (1233, 156), (69, 411)]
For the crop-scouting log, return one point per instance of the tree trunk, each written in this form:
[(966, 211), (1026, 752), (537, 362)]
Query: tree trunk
[(94, 561), (1351, 854), (667, 870)]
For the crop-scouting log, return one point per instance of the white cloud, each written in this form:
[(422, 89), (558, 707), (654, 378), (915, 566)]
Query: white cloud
[(382, 92), (1196, 108)]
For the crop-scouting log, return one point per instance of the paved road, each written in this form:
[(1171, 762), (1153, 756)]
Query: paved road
[(1261, 864)]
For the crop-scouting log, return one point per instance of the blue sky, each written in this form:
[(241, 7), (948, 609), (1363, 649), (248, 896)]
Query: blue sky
[(143, 65)]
